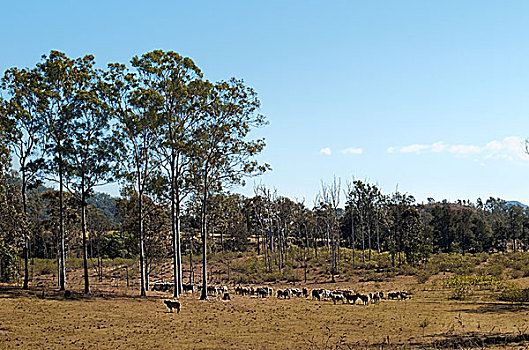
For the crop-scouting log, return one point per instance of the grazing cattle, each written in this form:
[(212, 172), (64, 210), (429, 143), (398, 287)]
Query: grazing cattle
[(348, 292), (405, 295), (296, 292), (162, 286), (351, 297), (242, 290), (226, 296), (188, 287), (344, 295), (216, 290), (363, 298), (326, 294), (337, 296), (172, 304), (316, 294), (375, 297), (394, 295), (262, 292), (284, 293)]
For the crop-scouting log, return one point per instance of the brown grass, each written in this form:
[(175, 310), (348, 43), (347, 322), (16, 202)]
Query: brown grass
[(116, 318)]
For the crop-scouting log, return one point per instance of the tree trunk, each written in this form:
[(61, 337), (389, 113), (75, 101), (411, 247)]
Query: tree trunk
[(333, 258), (147, 272), (178, 250), (26, 236), (59, 272), (191, 277), (378, 233), (305, 251), (339, 239), (258, 247), (204, 295), (176, 274), (99, 259), (369, 239), (142, 251), (62, 274), (353, 236), (85, 245), (363, 241)]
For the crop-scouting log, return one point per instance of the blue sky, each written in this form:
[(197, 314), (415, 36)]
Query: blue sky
[(429, 96)]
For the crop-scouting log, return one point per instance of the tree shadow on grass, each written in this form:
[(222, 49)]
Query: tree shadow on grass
[(11, 291), (496, 308), (468, 340), (471, 340)]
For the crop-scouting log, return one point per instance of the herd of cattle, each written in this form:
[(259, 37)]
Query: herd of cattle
[(344, 296)]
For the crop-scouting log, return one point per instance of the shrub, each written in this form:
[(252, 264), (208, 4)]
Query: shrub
[(8, 262), (44, 266), (463, 286), (423, 276), (515, 295), (494, 270)]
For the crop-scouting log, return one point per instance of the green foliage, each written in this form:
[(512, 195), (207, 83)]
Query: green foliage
[(106, 205), (515, 295), (463, 286), (8, 262)]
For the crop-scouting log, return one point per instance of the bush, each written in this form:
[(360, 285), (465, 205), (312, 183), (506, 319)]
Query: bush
[(423, 276), (8, 262), (515, 295), (462, 291), (464, 286), (494, 270)]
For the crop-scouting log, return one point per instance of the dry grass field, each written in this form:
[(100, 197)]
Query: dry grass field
[(118, 319)]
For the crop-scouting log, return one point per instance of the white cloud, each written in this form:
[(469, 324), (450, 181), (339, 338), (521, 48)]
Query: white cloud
[(510, 148), (494, 146), (464, 149), (439, 147), (326, 151), (351, 150), (413, 149)]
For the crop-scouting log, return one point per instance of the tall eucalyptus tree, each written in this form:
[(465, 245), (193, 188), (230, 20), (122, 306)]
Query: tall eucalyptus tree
[(92, 156), (171, 79), (136, 108), (57, 98), (223, 152), (22, 108)]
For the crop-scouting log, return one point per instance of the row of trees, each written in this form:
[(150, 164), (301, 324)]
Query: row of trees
[(368, 220), (158, 127), (268, 224)]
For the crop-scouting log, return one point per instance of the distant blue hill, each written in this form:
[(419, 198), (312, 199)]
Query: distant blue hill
[(513, 203)]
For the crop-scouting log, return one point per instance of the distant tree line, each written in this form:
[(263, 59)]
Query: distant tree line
[(268, 224)]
